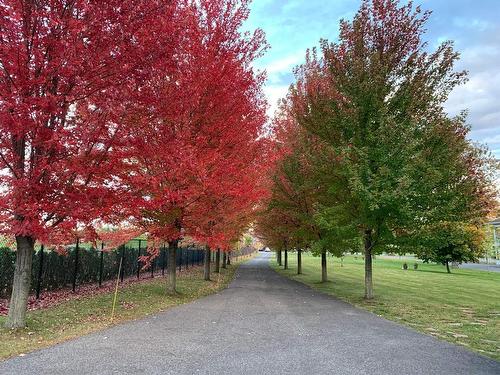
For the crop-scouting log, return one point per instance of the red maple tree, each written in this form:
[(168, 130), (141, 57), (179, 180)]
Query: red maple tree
[(205, 118), (69, 73)]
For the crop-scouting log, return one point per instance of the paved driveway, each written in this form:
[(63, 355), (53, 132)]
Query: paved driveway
[(262, 324)]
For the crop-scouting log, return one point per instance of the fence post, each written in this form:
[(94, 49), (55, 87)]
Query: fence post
[(152, 268), (138, 259), (180, 260), (101, 263), (75, 271), (163, 260), (40, 270), (122, 270)]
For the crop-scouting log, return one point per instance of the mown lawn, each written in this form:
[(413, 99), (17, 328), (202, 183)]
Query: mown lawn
[(462, 307), (88, 314)]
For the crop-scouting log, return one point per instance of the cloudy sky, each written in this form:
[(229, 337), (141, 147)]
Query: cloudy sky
[(292, 26)]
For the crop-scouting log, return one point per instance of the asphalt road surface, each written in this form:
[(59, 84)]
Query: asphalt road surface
[(481, 267), (262, 324)]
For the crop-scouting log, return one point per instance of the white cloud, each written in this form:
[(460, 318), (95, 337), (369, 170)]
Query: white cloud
[(278, 78), (494, 139), (480, 94), (285, 64), (274, 93), (473, 24)]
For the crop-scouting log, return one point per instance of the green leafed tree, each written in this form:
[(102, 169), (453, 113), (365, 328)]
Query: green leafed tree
[(449, 242), (453, 198), (296, 192), (376, 99)]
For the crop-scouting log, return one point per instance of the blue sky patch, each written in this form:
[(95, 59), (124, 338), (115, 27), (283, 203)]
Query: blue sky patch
[(293, 26)]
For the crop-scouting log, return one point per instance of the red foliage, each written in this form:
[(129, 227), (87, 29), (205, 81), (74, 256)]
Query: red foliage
[(117, 237), (200, 153), (69, 73)]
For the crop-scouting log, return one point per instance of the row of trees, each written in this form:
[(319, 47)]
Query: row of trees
[(370, 161), (139, 112)]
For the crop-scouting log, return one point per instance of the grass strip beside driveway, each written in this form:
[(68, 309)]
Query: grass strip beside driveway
[(462, 307)]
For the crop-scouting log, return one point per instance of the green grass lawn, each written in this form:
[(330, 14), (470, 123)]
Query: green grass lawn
[(462, 307), (79, 317)]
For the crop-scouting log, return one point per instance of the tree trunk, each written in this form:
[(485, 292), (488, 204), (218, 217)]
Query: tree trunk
[(206, 263), (217, 261), (278, 256), (172, 276), (286, 259), (368, 265), (228, 258), (224, 259), (299, 262), (21, 283), (324, 273), (448, 267)]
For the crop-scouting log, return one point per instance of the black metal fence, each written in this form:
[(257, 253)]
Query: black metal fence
[(52, 270)]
